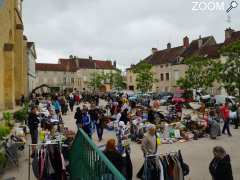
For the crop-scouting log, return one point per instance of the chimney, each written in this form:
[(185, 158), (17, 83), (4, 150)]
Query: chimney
[(90, 58), (200, 42), (154, 50), (228, 33), (169, 45), (186, 42), (77, 62), (114, 64)]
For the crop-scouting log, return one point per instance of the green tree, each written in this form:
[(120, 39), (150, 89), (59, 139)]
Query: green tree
[(115, 79), (201, 73), (144, 76), (118, 81), (96, 80), (230, 74)]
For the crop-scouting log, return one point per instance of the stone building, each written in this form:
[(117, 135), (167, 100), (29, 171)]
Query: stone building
[(73, 73), (13, 45), (31, 60), (168, 64)]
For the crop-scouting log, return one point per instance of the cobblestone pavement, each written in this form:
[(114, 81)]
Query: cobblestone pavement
[(197, 154)]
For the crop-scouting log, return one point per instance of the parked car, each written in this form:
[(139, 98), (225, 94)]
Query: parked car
[(166, 100), (221, 99), (182, 96)]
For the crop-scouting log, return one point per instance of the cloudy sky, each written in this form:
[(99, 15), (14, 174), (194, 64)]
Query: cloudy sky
[(122, 30)]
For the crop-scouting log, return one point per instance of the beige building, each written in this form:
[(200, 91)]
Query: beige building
[(168, 64), (73, 73), (31, 60), (13, 45)]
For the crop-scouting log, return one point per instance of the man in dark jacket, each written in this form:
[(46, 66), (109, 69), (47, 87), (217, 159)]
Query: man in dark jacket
[(220, 167), (33, 122)]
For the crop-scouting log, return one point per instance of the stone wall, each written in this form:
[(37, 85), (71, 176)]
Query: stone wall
[(11, 55)]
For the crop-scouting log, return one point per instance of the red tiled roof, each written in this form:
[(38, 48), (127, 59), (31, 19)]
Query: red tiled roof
[(104, 64), (234, 37), (211, 51), (193, 49), (81, 63), (165, 56), (49, 67)]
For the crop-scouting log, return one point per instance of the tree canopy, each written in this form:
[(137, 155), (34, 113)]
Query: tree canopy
[(201, 73), (144, 77), (230, 74)]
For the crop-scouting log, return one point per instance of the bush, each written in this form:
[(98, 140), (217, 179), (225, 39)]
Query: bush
[(8, 117), (4, 130), (20, 115)]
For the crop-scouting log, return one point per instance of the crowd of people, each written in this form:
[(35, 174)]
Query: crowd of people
[(117, 116)]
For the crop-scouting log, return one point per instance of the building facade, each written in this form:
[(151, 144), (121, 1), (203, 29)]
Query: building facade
[(31, 60), (73, 73), (168, 64), (13, 45)]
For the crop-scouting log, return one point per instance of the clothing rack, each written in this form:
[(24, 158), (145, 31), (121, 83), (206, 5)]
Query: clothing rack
[(162, 154), (39, 144)]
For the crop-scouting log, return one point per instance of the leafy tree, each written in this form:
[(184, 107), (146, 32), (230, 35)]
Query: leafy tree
[(144, 77), (201, 73), (96, 80), (115, 79), (118, 81), (230, 74)]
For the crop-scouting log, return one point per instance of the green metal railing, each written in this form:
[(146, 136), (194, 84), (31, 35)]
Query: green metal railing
[(87, 162)]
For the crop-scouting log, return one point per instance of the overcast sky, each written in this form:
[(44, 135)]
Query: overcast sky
[(122, 30)]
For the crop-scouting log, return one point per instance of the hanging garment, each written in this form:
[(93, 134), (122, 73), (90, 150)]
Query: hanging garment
[(35, 166), (165, 168), (152, 169), (161, 170), (185, 167)]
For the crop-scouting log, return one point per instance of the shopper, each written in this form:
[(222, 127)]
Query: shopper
[(57, 108), (113, 155), (78, 116), (220, 167), (214, 126), (151, 117), (226, 117), (118, 116), (149, 145), (86, 123), (124, 116), (71, 101), (33, 122), (100, 124)]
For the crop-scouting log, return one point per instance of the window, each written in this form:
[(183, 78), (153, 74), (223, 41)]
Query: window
[(161, 66), (72, 80), (176, 75), (161, 77), (166, 65), (130, 78), (167, 76), (65, 81)]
